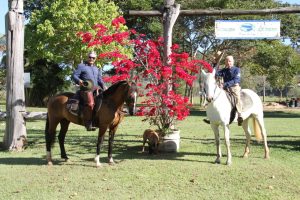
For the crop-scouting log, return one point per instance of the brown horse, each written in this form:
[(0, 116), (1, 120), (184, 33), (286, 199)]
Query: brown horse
[(107, 117)]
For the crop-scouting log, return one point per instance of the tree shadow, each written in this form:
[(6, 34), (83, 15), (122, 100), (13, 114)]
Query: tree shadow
[(267, 114), (22, 161), (129, 146), (280, 114), (198, 113)]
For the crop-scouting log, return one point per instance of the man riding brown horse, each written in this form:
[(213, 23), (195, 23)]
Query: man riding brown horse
[(89, 78)]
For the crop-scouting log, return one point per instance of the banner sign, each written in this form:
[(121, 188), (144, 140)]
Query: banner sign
[(247, 29)]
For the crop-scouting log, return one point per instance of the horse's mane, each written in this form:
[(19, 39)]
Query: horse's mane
[(112, 88)]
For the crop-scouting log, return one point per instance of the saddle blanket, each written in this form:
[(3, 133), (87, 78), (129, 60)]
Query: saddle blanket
[(73, 106)]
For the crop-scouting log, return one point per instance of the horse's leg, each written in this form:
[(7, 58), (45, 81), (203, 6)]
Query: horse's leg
[(227, 142), (215, 128), (50, 133), (248, 137), (110, 144), (101, 134), (261, 123), (61, 138)]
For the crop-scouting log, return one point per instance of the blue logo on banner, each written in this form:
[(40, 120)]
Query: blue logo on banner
[(247, 27)]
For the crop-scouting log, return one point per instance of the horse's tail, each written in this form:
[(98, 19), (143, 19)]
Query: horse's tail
[(257, 130), (50, 138)]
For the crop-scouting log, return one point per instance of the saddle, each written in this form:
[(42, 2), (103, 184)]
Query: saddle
[(75, 103), (245, 100)]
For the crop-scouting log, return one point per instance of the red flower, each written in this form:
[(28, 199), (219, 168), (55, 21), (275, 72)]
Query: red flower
[(133, 31), (86, 37), (117, 21), (107, 39), (175, 47)]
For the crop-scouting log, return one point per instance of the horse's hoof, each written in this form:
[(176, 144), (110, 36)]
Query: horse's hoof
[(98, 165), (245, 156), (49, 163), (217, 161), (111, 163), (228, 163)]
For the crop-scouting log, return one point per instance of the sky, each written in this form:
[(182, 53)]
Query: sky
[(4, 10)]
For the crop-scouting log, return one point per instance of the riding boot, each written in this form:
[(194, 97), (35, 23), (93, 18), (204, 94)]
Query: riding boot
[(240, 120), (206, 121), (88, 110)]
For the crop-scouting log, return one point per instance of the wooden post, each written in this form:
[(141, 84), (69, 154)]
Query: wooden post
[(170, 14), (15, 133)]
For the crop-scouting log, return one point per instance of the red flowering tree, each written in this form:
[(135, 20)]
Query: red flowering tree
[(162, 105)]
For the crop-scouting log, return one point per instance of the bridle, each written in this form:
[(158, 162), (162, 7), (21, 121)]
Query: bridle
[(214, 94)]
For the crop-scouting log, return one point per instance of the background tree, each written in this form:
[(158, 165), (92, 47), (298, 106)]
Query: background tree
[(280, 62), (32, 5), (52, 41), (55, 76), (150, 26), (51, 32)]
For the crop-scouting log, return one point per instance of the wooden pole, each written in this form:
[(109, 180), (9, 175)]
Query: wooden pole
[(207, 12), (15, 132)]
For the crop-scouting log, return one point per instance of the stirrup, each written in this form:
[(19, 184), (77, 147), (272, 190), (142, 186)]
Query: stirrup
[(90, 127), (206, 121)]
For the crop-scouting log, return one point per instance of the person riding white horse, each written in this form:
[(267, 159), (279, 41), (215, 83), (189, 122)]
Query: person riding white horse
[(232, 77), (220, 109)]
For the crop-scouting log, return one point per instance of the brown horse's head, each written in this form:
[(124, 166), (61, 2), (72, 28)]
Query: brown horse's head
[(131, 100), (121, 92)]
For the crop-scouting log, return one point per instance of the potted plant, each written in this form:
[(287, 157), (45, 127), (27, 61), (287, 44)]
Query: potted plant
[(163, 103)]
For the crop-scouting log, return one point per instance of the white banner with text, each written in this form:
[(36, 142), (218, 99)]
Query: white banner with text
[(247, 29)]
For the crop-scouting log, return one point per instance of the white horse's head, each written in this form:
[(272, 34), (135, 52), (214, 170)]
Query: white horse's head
[(210, 84)]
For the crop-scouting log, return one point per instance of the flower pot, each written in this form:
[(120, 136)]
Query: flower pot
[(170, 142)]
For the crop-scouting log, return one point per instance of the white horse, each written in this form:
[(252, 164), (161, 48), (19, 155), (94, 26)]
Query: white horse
[(219, 109)]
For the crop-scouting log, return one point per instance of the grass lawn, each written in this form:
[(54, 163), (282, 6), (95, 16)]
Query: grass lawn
[(188, 174)]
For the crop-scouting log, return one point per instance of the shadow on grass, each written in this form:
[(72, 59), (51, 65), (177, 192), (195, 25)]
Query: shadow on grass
[(178, 156), (129, 147), (198, 113), (280, 114), (22, 161)]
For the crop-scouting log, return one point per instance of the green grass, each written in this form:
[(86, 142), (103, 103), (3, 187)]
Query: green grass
[(188, 174)]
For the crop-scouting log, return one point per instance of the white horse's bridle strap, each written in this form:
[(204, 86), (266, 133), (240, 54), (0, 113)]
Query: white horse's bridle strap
[(215, 91)]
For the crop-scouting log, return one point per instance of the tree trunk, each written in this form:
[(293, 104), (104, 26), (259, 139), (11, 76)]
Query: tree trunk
[(170, 15), (15, 133)]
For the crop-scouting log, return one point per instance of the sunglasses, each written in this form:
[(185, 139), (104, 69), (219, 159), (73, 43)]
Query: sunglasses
[(92, 58)]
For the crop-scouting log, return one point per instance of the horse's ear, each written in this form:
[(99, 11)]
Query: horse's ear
[(203, 73)]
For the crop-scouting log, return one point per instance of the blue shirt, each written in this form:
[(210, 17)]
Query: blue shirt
[(85, 72), (231, 76)]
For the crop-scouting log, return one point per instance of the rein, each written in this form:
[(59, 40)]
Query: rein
[(215, 90)]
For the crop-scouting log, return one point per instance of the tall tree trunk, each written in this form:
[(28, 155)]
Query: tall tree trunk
[(170, 15), (171, 12), (15, 133)]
